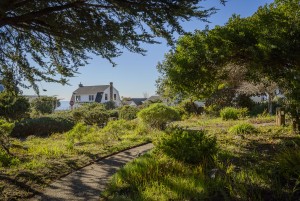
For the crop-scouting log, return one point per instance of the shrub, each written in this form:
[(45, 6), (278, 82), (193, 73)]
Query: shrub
[(7, 160), (99, 117), (288, 168), (5, 131), (118, 128), (128, 112), (212, 110), (189, 107), (13, 107), (45, 105), (229, 113), (190, 146), (243, 128), (94, 113), (243, 112), (76, 134), (158, 115), (110, 105), (43, 126)]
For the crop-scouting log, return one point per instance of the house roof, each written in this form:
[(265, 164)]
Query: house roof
[(154, 98), (138, 101), (90, 89)]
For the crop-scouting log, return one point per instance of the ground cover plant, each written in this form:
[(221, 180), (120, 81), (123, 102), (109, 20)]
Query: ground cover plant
[(35, 161), (260, 165)]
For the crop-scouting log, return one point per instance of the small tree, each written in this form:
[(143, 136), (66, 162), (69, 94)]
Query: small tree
[(158, 115), (128, 112), (45, 105), (13, 107)]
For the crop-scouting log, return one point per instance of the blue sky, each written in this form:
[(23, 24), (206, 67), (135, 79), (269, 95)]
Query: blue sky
[(135, 74)]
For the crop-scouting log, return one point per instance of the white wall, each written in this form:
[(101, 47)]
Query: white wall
[(107, 91), (85, 98)]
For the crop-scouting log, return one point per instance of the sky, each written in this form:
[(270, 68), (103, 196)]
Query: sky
[(135, 75)]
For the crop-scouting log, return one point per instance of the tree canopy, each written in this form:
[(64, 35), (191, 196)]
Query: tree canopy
[(50, 39), (266, 44)]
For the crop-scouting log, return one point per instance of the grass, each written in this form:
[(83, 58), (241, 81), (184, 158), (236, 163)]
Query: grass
[(259, 166), (38, 161)]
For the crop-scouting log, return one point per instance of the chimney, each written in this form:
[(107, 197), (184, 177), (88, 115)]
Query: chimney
[(80, 85), (111, 90)]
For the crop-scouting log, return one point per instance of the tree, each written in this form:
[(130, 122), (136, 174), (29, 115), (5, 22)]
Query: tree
[(45, 105), (13, 107), (267, 44), (265, 87), (50, 39)]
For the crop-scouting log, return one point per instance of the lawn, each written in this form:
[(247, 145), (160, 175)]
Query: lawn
[(262, 164)]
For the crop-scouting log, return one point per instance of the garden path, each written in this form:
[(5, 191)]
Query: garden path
[(88, 182)]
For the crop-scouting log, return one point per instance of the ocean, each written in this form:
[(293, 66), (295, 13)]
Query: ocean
[(64, 105)]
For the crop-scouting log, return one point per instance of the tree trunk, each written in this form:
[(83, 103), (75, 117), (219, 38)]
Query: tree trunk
[(270, 104)]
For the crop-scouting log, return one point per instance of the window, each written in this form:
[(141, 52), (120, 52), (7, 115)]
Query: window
[(106, 97), (115, 96), (91, 97), (77, 98)]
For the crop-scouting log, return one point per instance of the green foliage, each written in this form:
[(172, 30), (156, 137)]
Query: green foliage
[(189, 107), (228, 113), (13, 107), (69, 37), (7, 160), (193, 147), (110, 105), (244, 101), (199, 64), (288, 167), (45, 105), (94, 113), (128, 112), (158, 115), (115, 129), (5, 131), (43, 126), (243, 128), (212, 110), (157, 177), (76, 134)]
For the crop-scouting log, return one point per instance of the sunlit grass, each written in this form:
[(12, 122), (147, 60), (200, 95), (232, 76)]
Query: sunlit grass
[(50, 157)]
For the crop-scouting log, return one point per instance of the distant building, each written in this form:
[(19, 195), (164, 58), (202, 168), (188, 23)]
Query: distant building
[(97, 93), (135, 101)]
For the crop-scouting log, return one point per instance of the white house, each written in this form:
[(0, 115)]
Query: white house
[(98, 93)]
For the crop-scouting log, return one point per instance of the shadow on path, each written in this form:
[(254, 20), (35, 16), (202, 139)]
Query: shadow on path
[(87, 183)]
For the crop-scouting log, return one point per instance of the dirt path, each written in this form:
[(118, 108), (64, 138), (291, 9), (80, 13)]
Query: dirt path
[(88, 182)]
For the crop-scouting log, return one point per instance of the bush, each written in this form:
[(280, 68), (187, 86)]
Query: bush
[(128, 112), (13, 107), (189, 107), (43, 126), (99, 117), (158, 115), (243, 112), (118, 128), (288, 168), (190, 146), (94, 113), (243, 128), (76, 134), (212, 110), (7, 160), (5, 131), (228, 113)]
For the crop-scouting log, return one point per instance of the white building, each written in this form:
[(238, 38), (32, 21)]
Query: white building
[(98, 93)]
